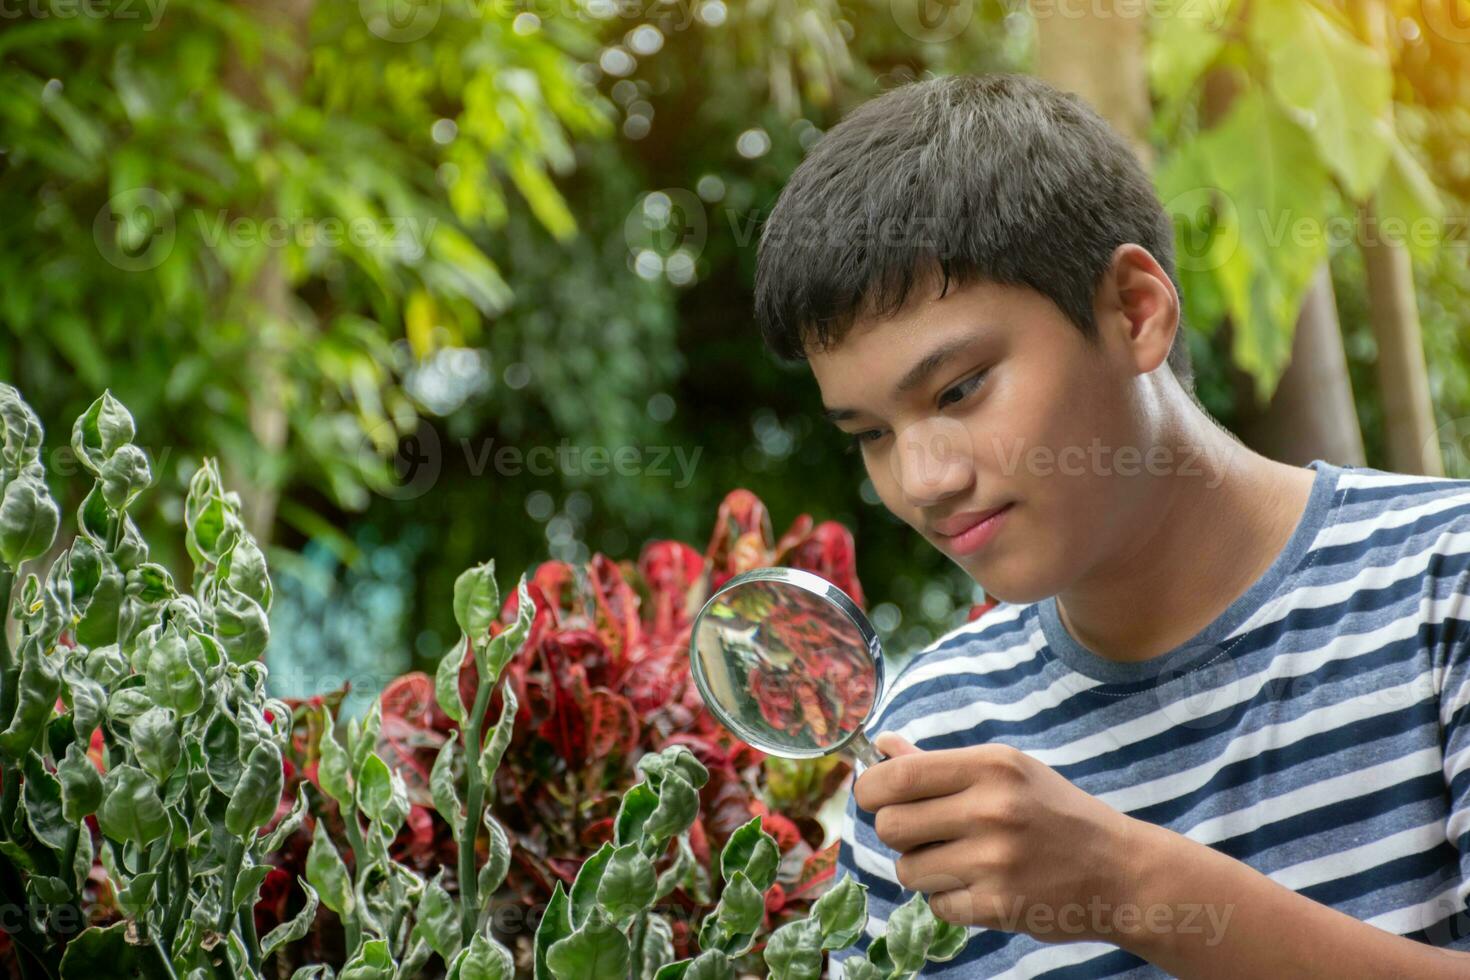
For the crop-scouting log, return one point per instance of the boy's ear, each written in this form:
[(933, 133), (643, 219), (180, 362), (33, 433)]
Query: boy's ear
[(1136, 308)]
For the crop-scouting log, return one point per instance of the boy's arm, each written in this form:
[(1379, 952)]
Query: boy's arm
[(1271, 930), (1000, 840)]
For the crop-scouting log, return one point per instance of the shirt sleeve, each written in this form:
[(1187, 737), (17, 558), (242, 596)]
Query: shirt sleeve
[(1452, 909)]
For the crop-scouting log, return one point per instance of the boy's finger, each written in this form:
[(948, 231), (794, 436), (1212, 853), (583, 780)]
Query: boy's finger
[(903, 778), (893, 745)]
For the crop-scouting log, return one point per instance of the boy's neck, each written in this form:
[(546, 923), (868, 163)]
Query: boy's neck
[(1214, 538)]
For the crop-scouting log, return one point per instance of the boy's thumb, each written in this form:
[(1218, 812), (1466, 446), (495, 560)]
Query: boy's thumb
[(893, 745)]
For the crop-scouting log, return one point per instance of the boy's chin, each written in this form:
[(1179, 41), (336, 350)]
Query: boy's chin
[(1013, 586)]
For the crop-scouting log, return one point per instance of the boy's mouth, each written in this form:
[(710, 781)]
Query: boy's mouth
[(964, 534)]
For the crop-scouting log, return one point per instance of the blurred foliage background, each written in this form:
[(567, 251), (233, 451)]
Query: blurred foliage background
[(358, 250)]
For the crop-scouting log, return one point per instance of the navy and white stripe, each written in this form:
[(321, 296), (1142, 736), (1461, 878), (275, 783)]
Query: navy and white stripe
[(1318, 729)]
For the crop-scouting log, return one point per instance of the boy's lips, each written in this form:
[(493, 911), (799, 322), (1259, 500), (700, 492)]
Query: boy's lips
[(960, 523), (971, 530)]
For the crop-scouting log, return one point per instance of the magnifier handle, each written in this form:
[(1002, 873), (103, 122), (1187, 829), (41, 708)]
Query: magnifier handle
[(863, 750)]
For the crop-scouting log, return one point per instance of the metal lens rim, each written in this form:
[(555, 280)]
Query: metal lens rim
[(820, 587)]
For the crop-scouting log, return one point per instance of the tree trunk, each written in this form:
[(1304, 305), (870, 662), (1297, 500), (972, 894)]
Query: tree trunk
[(1311, 414), (1100, 56), (1393, 309), (269, 297)]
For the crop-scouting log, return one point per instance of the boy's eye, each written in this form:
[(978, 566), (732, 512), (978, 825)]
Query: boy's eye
[(867, 435), (957, 392)]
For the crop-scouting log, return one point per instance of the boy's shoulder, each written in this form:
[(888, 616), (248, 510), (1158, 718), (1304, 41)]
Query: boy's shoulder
[(1378, 509), (986, 651)]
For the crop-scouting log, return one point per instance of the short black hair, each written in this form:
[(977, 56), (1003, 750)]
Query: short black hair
[(990, 178)]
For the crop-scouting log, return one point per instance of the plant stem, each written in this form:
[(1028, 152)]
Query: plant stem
[(247, 933), (351, 923), (175, 915), (227, 896), (165, 959), (469, 897), (9, 697)]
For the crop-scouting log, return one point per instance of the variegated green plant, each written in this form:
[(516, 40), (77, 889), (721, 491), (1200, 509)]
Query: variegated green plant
[(190, 740), (610, 924)]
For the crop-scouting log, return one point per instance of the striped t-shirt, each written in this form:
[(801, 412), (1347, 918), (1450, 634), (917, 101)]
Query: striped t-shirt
[(1317, 730)]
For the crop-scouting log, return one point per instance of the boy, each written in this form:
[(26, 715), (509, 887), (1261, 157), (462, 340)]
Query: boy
[(1216, 727)]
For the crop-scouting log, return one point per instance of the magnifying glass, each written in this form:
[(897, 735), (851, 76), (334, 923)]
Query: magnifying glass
[(788, 662)]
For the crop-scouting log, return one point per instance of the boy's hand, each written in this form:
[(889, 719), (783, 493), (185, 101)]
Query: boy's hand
[(997, 839)]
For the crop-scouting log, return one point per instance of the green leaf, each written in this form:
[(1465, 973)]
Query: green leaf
[(438, 919), (372, 962), (258, 793), (43, 809), (174, 680), (753, 851), (102, 952), (910, 930), (841, 913), (328, 874), (131, 809), (633, 812), (509, 640), (294, 928), (497, 864), (710, 965), (156, 743), (555, 925), (100, 431), (857, 968), (240, 624), (627, 885), (597, 949), (732, 927), (678, 805), (443, 790), (484, 959), (81, 784), (1339, 88), (1272, 221), (794, 951), (949, 940), (657, 948), (288, 824), (39, 685), (476, 600), (374, 786), (584, 888), (332, 770), (446, 681), (678, 873), (1407, 195), (500, 736), (28, 520), (247, 885), (222, 751), (125, 475), (878, 956), (655, 765), (1182, 44)]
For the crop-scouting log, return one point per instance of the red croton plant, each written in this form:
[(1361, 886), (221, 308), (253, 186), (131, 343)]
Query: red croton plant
[(603, 678)]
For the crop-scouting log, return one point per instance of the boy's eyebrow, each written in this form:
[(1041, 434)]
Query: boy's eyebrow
[(915, 375)]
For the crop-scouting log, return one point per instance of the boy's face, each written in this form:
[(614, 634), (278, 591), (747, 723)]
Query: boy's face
[(1015, 410)]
